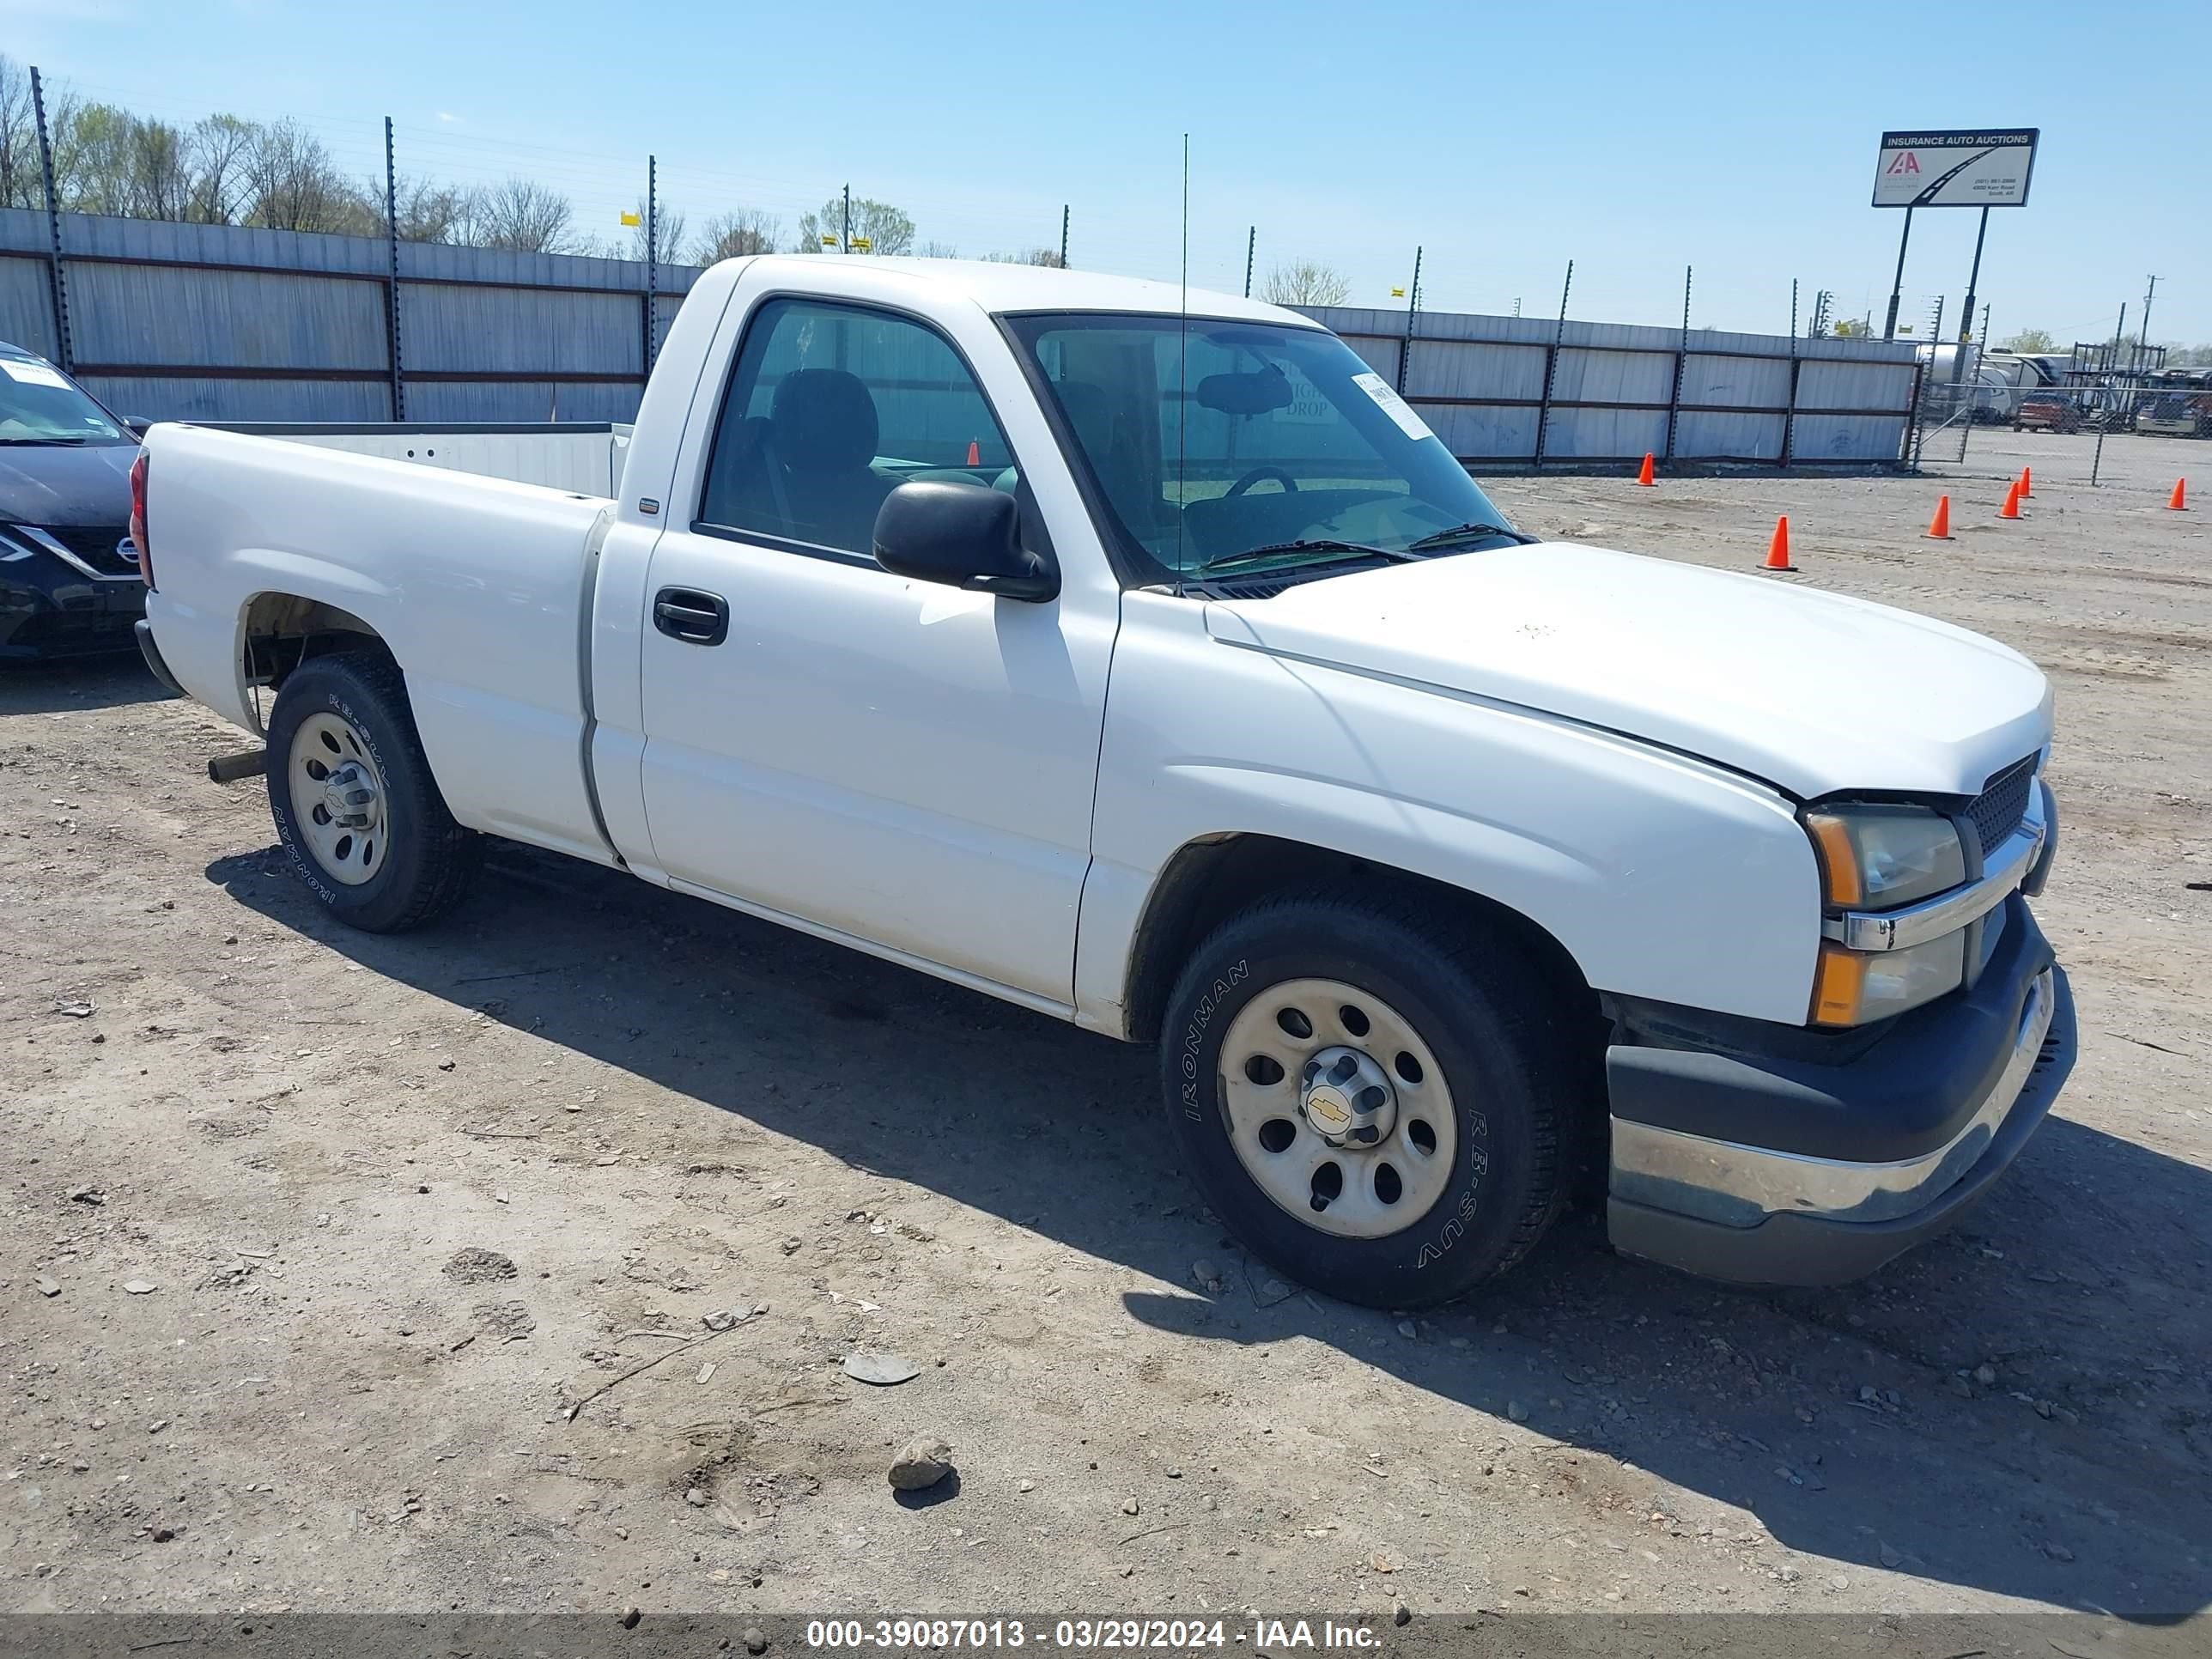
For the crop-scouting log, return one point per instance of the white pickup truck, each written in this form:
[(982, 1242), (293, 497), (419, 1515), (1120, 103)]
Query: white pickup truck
[(1147, 662)]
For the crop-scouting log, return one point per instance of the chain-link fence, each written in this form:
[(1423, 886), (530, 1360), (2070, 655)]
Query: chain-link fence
[(2096, 392)]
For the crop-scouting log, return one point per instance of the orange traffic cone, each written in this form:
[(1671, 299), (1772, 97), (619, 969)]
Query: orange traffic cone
[(1643, 476), (2011, 507), (2026, 483), (1778, 551), (2178, 502), (1938, 527), (975, 453)]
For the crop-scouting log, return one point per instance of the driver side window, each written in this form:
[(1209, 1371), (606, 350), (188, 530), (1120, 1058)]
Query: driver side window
[(829, 409)]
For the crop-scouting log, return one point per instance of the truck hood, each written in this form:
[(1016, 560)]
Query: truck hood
[(1812, 692)]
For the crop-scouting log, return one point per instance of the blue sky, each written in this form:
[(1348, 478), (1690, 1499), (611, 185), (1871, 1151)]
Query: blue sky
[(1635, 139)]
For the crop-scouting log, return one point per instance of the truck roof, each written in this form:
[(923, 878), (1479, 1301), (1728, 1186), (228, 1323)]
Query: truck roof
[(998, 286)]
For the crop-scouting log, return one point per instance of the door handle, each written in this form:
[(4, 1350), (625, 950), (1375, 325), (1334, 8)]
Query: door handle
[(691, 615)]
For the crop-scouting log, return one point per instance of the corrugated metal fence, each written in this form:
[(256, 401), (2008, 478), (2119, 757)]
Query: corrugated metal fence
[(1528, 390), (218, 322), (222, 323)]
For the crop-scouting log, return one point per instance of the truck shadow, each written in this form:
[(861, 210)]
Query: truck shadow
[(2020, 1407)]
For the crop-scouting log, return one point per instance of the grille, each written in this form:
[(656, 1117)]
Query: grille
[(1998, 810), (96, 547)]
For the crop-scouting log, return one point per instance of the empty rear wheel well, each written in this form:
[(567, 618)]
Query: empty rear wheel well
[(283, 630), (1207, 882)]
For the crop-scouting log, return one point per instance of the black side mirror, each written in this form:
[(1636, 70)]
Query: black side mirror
[(138, 425), (964, 535)]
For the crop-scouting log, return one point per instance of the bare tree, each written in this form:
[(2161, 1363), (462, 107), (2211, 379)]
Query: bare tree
[(292, 184), (427, 211), (884, 228), (521, 215), (1305, 282), (1028, 256), (936, 250), (2031, 339), (668, 226), (19, 183), (216, 150), (733, 234)]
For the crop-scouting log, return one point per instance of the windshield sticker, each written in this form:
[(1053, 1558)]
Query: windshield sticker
[(32, 374), (1388, 400)]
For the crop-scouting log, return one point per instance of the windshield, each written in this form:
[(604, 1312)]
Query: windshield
[(1250, 445), (39, 405)]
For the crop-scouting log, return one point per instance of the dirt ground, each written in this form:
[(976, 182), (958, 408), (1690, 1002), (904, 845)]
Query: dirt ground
[(402, 1204)]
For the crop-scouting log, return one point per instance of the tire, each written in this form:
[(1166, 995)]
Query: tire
[(1499, 1048), (411, 862)]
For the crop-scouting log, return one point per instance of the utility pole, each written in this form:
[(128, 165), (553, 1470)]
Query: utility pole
[(56, 282), (1251, 243), (1063, 236), (392, 297), (2147, 293), (845, 247)]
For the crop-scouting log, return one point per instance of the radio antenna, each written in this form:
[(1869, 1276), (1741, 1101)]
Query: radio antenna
[(1183, 371)]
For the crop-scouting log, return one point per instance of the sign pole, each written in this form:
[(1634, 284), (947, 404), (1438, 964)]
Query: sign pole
[(1966, 317), (1897, 287)]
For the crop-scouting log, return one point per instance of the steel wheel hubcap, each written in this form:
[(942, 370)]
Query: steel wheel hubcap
[(1337, 1109), (337, 798)]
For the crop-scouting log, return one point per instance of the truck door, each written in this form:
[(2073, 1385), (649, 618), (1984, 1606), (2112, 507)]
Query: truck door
[(895, 762)]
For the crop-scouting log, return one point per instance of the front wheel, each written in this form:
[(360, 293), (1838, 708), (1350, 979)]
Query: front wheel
[(1373, 1103), (354, 800)]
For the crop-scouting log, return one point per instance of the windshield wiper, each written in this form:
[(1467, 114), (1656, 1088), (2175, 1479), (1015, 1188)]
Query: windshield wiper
[(1322, 545), (1474, 530), (71, 442)]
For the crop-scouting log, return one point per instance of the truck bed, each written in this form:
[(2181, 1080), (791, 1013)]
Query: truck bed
[(481, 586)]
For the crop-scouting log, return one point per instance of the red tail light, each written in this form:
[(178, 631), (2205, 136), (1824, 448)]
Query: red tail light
[(138, 520)]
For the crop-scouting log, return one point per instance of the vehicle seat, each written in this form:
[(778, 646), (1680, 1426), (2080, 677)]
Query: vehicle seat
[(822, 436)]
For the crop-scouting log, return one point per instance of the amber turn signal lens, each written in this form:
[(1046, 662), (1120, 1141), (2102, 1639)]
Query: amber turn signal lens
[(1838, 986), (1839, 859)]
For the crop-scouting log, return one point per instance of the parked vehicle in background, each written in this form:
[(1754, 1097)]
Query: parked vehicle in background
[(1142, 658), (2177, 415), (69, 574), (2051, 411)]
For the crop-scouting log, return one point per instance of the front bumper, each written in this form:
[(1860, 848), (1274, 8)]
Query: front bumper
[(1804, 1169), (48, 609)]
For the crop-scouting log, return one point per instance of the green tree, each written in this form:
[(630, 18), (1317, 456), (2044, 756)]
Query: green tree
[(2031, 339)]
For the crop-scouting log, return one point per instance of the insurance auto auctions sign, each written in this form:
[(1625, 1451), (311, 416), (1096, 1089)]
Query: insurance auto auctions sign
[(1955, 169)]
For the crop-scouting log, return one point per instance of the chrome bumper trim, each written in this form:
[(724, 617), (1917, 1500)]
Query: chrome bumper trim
[(1947, 913), (1739, 1186)]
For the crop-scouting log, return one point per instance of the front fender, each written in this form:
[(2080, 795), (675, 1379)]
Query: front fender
[(1660, 875)]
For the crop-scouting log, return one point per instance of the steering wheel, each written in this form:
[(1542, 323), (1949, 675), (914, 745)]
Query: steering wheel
[(1290, 484)]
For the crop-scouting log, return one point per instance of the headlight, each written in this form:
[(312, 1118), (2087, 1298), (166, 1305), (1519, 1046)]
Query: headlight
[(1876, 858), (1851, 987)]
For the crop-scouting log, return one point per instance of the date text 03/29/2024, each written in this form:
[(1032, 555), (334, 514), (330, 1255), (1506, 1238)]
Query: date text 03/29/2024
[(1142, 1635)]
